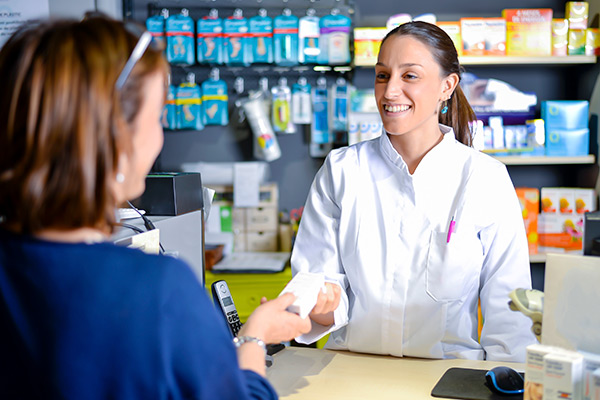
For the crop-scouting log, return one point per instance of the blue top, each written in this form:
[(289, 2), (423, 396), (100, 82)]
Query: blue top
[(98, 321)]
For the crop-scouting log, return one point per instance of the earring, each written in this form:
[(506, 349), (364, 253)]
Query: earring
[(120, 177), (445, 108)]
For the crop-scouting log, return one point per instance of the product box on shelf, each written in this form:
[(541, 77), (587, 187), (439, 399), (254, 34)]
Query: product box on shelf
[(560, 233), (560, 36), (592, 42), (528, 31), (567, 142), (577, 14), (367, 42), (563, 375), (576, 42), (591, 364), (529, 199), (495, 36), (452, 28), (534, 370), (473, 36)]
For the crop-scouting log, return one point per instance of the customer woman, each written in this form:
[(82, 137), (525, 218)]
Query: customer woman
[(80, 106), (413, 228)]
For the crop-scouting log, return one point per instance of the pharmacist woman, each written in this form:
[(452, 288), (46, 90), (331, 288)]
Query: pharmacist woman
[(413, 228)]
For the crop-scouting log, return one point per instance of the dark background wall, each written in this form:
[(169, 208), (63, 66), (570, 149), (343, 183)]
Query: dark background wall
[(295, 170)]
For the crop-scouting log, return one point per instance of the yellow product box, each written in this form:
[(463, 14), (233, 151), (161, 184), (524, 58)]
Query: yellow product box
[(529, 199), (367, 42), (585, 200), (549, 200), (592, 42), (495, 36), (576, 45), (560, 36), (560, 233), (472, 31), (452, 28), (528, 31), (577, 14)]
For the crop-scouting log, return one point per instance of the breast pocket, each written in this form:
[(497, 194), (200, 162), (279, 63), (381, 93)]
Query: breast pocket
[(453, 267)]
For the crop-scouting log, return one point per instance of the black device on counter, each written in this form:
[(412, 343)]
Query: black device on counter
[(224, 301)]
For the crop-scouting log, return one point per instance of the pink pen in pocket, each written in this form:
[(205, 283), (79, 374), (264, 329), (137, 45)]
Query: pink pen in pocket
[(450, 229)]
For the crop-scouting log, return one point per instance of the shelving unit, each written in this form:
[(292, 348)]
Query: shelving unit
[(545, 160), (513, 60)]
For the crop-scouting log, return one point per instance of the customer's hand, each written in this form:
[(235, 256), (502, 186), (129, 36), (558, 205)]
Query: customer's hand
[(273, 324), (327, 302)]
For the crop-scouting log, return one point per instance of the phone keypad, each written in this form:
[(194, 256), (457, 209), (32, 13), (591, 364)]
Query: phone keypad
[(234, 322)]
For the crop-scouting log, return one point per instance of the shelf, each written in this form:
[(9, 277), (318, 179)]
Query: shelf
[(514, 60), (545, 160)]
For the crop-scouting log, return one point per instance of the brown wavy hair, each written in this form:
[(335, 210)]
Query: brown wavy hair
[(460, 114), (63, 124)]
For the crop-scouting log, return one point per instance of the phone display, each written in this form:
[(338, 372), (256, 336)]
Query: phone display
[(224, 301)]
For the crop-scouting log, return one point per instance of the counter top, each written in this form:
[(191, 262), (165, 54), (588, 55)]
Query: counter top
[(306, 373)]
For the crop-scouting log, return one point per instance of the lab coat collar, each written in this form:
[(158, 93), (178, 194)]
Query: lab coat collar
[(388, 149)]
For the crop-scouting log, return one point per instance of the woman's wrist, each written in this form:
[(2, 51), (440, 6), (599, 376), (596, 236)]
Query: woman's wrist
[(241, 340)]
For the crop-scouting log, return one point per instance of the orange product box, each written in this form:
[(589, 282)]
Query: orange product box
[(529, 199), (495, 36), (472, 31), (592, 42), (560, 233), (577, 14), (560, 36), (528, 31), (367, 42), (452, 28)]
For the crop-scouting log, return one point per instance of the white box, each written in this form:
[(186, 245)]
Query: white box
[(534, 370), (566, 201), (585, 200), (591, 364), (563, 375), (549, 198)]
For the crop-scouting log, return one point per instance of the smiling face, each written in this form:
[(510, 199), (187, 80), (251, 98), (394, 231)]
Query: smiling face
[(409, 88)]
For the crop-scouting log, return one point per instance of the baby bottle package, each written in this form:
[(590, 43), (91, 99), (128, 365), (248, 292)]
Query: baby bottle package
[(261, 37), (235, 39), (210, 38), (179, 30), (281, 116), (156, 26), (335, 39), (301, 105), (321, 138), (285, 38), (215, 100), (308, 34), (189, 105), (266, 146), (169, 116), (338, 105)]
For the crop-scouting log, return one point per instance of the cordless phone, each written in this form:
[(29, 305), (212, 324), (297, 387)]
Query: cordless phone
[(224, 301)]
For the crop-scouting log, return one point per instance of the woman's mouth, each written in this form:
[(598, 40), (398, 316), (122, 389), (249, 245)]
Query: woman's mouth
[(395, 108)]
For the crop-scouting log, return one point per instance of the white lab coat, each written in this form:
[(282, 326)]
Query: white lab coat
[(381, 234)]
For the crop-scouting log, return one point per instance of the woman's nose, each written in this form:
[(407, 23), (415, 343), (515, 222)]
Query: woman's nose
[(393, 88)]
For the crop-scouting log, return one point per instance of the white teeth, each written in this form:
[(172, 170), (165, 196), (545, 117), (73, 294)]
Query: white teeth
[(395, 108)]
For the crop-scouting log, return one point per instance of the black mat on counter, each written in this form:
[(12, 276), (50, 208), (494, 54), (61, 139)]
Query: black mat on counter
[(467, 384)]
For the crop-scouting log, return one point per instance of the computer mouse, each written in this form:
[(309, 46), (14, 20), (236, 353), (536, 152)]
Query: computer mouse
[(504, 380)]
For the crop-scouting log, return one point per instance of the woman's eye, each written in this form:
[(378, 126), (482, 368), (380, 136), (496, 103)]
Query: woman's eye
[(381, 75), (410, 76)]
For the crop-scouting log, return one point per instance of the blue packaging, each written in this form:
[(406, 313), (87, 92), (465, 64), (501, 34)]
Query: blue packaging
[(169, 117), (210, 38), (180, 39), (156, 26), (261, 37), (339, 106), (189, 105), (567, 142), (285, 38), (320, 124), (308, 38), (235, 40), (334, 41), (215, 100), (565, 114)]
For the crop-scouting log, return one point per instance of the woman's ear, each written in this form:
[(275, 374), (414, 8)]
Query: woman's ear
[(449, 84)]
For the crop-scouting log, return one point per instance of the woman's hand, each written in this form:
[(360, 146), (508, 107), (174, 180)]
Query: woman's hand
[(273, 324), (327, 302)]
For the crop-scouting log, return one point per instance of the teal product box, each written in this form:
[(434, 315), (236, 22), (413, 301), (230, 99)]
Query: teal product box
[(235, 40), (189, 107), (339, 106), (169, 117), (320, 124), (261, 37), (214, 102), (567, 142), (334, 41), (565, 114), (180, 39), (308, 34), (285, 39), (210, 39), (156, 26)]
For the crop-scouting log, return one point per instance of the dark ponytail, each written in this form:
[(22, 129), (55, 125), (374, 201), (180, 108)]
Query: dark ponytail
[(460, 115)]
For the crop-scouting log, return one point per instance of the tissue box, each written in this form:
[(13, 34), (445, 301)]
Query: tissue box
[(565, 114), (563, 142)]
